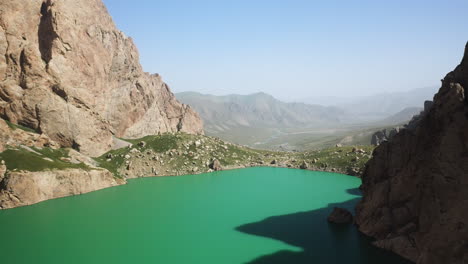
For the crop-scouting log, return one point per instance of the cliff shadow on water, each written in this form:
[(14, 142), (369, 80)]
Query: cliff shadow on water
[(321, 242)]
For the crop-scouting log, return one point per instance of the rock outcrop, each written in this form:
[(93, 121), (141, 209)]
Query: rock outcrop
[(20, 188), (383, 135), (3, 170), (67, 72), (415, 188), (15, 137), (216, 165)]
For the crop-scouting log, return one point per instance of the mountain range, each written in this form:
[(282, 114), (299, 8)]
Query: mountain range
[(263, 121), (259, 110)]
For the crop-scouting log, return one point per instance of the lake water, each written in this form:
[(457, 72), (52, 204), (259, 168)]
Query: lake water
[(254, 215)]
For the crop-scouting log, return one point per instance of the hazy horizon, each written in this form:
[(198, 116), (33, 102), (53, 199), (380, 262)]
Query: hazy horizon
[(296, 49)]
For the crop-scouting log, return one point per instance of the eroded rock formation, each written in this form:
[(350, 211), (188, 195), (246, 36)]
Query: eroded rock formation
[(67, 72), (416, 185)]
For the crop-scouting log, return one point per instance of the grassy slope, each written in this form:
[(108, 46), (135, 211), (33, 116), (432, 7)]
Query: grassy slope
[(14, 126), (177, 154), (39, 160)]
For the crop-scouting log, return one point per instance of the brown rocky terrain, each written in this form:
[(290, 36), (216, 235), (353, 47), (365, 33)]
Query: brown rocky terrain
[(415, 186), (68, 73), (20, 188), (77, 175)]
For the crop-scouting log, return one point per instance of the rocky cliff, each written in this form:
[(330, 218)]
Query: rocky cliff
[(20, 188), (415, 187), (67, 72)]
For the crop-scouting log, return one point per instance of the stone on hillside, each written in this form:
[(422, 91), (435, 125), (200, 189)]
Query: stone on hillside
[(66, 159), (134, 150), (352, 171), (273, 162), (142, 144), (340, 216), (215, 165), (3, 170), (304, 165)]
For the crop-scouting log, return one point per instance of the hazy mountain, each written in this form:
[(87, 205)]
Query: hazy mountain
[(258, 110), (259, 120), (378, 106)]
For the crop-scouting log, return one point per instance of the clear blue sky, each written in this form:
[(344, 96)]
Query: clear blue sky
[(295, 48)]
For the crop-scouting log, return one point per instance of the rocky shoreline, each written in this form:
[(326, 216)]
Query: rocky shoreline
[(34, 168)]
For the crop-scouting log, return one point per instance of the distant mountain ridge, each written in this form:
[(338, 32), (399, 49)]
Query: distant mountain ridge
[(258, 110), (378, 106), (259, 120)]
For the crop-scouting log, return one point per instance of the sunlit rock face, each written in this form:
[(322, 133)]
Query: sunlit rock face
[(416, 186), (66, 71)]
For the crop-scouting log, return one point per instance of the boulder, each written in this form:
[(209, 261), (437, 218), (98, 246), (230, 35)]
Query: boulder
[(340, 216), (304, 165), (215, 165), (3, 170)]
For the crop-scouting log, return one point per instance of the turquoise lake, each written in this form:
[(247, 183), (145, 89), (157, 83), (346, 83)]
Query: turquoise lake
[(254, 215)]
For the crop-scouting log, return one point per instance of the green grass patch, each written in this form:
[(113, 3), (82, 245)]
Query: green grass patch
[(15, 126), (22, 159), (159, 143)]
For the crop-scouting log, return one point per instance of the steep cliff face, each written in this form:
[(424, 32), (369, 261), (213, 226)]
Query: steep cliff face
[(416, 186), (67, 72)]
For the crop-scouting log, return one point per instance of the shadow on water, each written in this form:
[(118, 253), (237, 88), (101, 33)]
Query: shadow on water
[(354, 191), (321, 242)]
